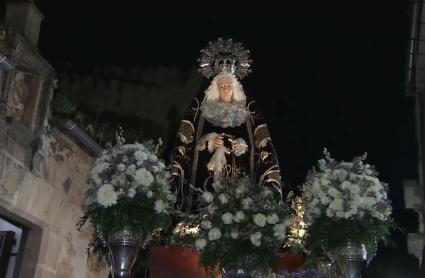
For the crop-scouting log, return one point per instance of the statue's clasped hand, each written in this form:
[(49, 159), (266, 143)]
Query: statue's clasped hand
[(217, 141), (239, 146)]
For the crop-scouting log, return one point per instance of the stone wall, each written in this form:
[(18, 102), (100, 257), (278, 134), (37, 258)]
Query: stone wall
[(43, 171), (47, 200)]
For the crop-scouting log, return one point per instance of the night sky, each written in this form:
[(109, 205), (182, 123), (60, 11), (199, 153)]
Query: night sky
[(326, 75)]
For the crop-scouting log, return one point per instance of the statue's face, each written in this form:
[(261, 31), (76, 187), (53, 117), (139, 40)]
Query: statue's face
[(225, 91)]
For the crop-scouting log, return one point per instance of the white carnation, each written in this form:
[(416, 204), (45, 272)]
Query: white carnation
[(214, 234), (256, 238), (239, 216), (247, 203), (223, 198), (336, 205), (240, 190), (259, 219), (121, 167), (333, 192), (330, 213), (131, 192), (149, 194), (140, 156), (325, 182), (207, 196), (144, 177), (227, 218), (99, 168), (159, 206), (346, 185), (106, 195), (272, 218), (131, 169), (206, 224), (200, 243), (211, 208)]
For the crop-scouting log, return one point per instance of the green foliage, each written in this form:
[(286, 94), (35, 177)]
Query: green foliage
[(62, 105)]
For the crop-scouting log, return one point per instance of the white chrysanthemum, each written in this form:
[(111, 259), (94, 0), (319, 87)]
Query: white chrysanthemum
[(106, 195), (144, 177), (355, 189), (353, 176), (272, 218), (324, 182), (214, 234), (131, 192), (369, 202), (200, 243), (336, 205), (207, 196), (99, 168), (159, 206), (259, 219), (223, 198), (256, 238), (206, 224), (342, 174), (121, 167), (346, 185), (131, 170), (247, 203), (239, 216), (234, 234), (333, 192), (149, 194), (240, 190), (140, 156), (227, 218), (330, 212), (211, 208), (325, 200)]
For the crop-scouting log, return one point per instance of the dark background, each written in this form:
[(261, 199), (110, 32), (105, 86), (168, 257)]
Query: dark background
[(326, 75)]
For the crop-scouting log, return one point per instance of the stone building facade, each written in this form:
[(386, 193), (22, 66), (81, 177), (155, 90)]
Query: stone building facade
[(43, 169)]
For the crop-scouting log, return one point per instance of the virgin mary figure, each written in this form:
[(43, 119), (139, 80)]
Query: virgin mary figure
[(223, 134)]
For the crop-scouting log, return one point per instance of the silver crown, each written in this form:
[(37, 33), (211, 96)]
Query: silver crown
[(224, 56)]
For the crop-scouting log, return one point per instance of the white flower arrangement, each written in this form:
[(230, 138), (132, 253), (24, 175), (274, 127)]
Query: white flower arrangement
[(128, 186), (239, 220), (128, 170), (345, 201)]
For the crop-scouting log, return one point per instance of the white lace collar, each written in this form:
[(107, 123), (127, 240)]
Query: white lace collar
[(224, 114)]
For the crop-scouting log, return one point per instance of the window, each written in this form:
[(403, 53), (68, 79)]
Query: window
[(12, 240)]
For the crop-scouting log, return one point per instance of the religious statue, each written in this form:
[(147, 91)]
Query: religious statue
[(223, 133)]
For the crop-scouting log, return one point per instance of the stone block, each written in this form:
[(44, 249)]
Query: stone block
[(50, 249), (415, 245), (44, 272), (39, 203), (26, 193), (25, 18), (12, 174), (18, 143)]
